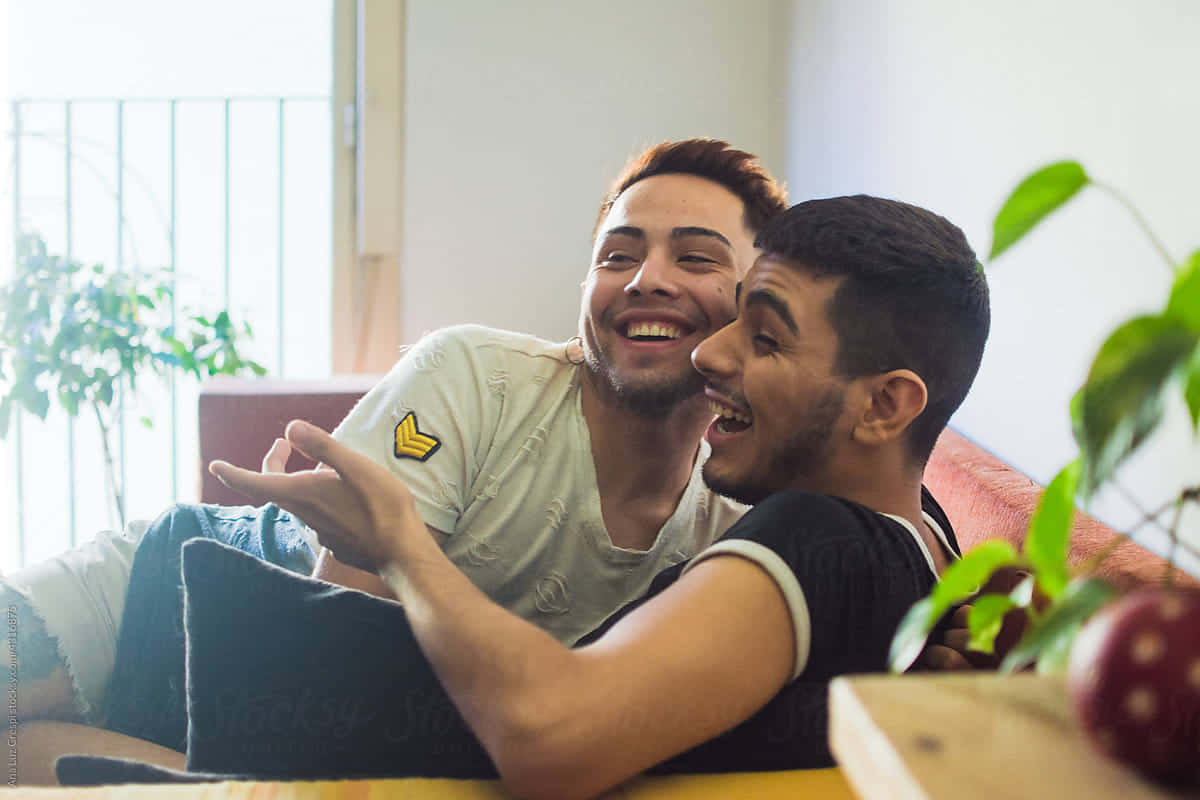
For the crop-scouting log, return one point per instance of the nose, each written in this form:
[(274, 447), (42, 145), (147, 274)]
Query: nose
[(716, 357), (656, 275)]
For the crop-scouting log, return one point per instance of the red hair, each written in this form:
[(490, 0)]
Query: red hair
[(738, 171)]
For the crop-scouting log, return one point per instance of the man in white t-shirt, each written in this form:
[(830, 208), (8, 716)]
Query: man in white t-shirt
[(560, 477), (489, 428), (564, 478)]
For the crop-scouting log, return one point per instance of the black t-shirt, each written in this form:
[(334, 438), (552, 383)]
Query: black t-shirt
[(859, 572)]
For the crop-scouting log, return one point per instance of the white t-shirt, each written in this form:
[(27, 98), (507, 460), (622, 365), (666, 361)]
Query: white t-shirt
[(487, 430)]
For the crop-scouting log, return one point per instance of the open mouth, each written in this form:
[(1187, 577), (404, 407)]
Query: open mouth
[(730, 420), (654, 331)]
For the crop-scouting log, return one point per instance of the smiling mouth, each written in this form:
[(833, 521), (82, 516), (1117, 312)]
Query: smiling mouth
[(730, 420), (653, 331)]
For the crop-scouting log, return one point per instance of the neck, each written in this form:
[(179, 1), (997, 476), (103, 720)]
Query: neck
[(643, 457), (883, 481), (887, 482)]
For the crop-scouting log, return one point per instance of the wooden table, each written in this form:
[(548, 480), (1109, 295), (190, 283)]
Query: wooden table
[(981, 736)]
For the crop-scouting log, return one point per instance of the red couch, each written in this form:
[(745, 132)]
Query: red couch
[(983, 497)]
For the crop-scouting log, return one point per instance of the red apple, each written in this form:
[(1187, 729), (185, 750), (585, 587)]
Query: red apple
[(1134, 677)]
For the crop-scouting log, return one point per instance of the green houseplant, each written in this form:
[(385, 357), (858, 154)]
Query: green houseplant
[(1112, 415), (79, 336), (1119, 405)]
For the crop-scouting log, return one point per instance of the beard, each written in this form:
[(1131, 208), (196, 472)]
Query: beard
[(645, 396), (789, 463)]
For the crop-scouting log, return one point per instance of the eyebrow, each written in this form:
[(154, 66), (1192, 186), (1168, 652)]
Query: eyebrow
[(626, 230), (693, 230), (676, 233), (763, 297)]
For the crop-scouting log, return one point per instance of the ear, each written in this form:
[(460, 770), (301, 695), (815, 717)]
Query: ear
[(894, 399)]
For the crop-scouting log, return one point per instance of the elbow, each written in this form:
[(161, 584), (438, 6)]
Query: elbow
[(535, 757), (545, 780)]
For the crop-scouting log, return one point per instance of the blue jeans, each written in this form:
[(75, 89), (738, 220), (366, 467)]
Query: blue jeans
[(147, 693)]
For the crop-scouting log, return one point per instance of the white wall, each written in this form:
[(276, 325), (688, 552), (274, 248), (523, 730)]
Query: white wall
[(519, 115), (947, 104)]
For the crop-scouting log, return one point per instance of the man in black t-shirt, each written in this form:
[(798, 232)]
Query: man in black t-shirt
[(859, 332)]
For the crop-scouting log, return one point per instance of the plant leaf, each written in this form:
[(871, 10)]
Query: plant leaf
[(1054, 657), (1050, 530), (986, 619), (911, 635), (961, 579), (965, 576), (69, 400), (1080, 599), (1184, 302), (1191, 390), (1121, 402), (1032, 200), (1022, 593), (35, 400)]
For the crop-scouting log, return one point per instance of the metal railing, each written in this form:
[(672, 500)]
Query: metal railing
[(107, 164)]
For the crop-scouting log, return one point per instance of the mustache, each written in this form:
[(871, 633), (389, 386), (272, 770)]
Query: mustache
[(735, 397), (695, 317)]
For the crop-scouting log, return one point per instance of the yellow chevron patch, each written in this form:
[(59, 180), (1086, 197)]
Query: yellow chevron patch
[(411, 443)]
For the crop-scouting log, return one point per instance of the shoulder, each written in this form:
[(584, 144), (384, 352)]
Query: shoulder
[(486, 343), (796, 512), (481, 336), (930, 506), (823, 532), (477, 348)]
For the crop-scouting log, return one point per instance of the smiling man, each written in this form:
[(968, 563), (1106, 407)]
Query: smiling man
[(560, 478), (564, 479), (649, 241), (860, 331)]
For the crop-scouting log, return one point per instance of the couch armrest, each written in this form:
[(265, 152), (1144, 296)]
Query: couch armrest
[(239, 418), (985, 498)]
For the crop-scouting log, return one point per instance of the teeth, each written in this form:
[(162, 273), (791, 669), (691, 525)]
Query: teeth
[(653, 329), (728, 413)]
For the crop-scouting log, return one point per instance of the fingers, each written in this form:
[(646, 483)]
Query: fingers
[(314, 443), (957, 638), (943, 659), (959, 618), (302, 493), (318, 445), (1004, 580), (258, 486), (277, 457), (236, 478)]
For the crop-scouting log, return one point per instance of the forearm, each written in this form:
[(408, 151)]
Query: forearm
[(511, 681), (561, 722)]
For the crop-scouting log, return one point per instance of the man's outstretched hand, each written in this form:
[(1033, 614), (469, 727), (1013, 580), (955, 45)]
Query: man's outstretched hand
[(949, 653), (947, 649), (277, 457), (359, 510)]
